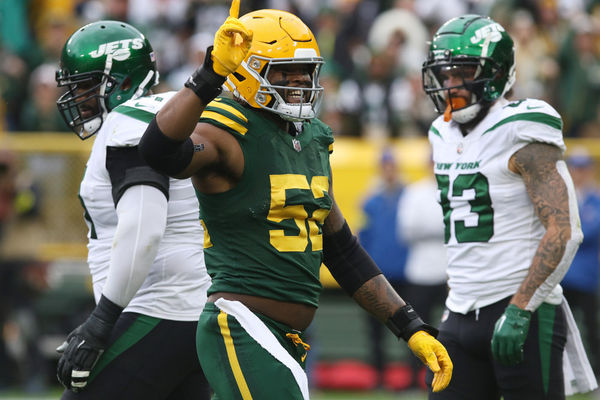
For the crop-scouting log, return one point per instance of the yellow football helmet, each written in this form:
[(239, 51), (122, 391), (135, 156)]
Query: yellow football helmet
[(279, 38)]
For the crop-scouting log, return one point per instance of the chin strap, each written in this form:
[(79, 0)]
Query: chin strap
[(295, 112), (92, 126), (458, 111), (140, 90), (466, 114)]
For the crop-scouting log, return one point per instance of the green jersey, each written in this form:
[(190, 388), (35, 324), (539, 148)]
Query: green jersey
[(264, 236)]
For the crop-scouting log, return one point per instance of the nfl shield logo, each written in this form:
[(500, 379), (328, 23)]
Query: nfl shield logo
[(297, 145)]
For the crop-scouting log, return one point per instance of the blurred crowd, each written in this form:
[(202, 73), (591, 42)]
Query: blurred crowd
[(373, 48)]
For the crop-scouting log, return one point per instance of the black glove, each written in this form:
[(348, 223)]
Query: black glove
[(85, 345), (205, 82)]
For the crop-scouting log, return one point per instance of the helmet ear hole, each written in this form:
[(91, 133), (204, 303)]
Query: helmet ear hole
[(239, 76), (126, 85)]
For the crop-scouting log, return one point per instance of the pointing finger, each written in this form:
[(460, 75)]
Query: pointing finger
[(234, 11)]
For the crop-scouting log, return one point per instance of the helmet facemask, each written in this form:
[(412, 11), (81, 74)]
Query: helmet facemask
[(474, 75), (275, 96), (83, 106), (86, 87)]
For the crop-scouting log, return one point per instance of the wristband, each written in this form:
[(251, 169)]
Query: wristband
[(405, 322), (106, 311), (205, 82)]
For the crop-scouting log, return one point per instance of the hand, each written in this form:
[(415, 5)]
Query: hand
[(509, 335), (85, 345), (80, 352), (433, 354), (232, 42)]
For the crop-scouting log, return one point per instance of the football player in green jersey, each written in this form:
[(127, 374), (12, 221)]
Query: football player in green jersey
[(259, 159), (511, 222)]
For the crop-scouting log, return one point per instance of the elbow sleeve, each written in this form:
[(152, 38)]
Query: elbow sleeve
[(163, 153), (347, 260)]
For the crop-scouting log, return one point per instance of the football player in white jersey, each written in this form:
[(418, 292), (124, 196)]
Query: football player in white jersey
[(145, 237), (511, 221)]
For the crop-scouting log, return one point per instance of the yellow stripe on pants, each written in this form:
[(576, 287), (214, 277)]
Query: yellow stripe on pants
[(233, 360)]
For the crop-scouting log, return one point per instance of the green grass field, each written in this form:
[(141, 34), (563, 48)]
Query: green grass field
[(316, 395), (409, 395)]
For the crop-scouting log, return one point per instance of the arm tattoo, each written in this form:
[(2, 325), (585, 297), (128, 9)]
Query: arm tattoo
[(199, 147), (536, 164), (379, 298)]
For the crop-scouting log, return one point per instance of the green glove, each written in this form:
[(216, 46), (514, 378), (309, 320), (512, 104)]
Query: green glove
[(509, 336)]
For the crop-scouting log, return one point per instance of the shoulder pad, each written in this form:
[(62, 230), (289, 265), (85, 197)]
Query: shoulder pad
[(323, 133), (528, 111), (530, 106), (529, 120), (129, 120), (144, 108), (226, 114), (123, 131)]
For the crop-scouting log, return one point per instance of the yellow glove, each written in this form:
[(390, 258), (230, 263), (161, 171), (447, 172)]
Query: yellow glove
[(433, 354), (232, 42)]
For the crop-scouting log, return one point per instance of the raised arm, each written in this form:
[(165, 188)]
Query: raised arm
[(166, 144), (232, 41)]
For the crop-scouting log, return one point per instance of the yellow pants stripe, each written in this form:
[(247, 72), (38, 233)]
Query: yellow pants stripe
[(233, 360)]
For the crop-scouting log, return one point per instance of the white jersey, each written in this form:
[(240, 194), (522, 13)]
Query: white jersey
[(176, 285), (491, 229)]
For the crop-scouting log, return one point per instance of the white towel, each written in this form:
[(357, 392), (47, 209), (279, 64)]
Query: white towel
[(578, 373), (263, 336)]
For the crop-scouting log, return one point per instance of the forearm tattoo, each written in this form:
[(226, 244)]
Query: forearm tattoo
[(536, 163), (378, 297)]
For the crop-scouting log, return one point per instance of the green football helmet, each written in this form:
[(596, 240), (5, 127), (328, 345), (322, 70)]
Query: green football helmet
[(103, 64), (478, 50)]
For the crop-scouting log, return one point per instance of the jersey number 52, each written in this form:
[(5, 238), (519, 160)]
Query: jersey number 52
[(308, 227)]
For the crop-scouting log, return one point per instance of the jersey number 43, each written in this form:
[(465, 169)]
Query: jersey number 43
[(471, 191)]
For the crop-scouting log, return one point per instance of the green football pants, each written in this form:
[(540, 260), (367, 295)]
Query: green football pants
[(248, 356)]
